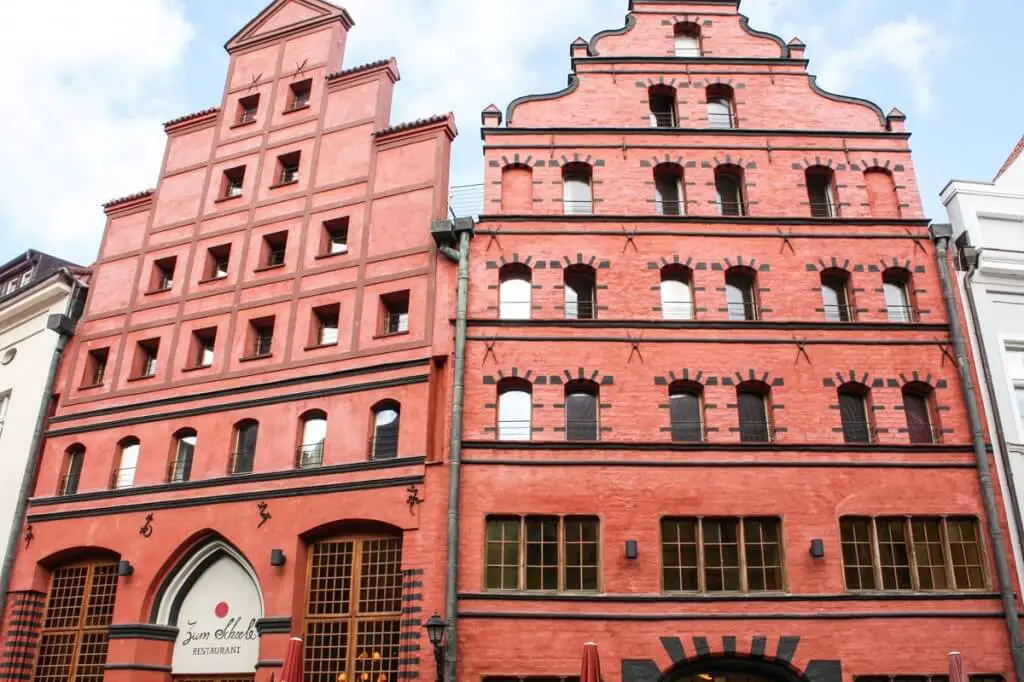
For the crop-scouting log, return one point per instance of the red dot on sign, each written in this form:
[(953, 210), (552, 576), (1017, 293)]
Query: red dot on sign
[(221, 609)]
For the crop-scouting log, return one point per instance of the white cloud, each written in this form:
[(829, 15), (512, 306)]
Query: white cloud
[(81, 111)]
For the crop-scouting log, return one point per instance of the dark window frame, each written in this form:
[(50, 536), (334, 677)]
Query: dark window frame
[(528, 545), (744, 570)]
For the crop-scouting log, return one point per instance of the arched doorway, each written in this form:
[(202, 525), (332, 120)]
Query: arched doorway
[(732, 668), (214, 599)]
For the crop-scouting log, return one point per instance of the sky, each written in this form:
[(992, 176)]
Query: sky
[(89, 84)]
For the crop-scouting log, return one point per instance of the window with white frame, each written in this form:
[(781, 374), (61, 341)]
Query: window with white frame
[(5, 402), (1015, 370)]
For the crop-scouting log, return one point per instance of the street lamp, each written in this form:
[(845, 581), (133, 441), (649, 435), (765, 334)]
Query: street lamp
[(436, 627)]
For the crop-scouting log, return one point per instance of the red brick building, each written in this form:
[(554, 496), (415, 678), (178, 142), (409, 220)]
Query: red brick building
[(255, 392), (720, 432)]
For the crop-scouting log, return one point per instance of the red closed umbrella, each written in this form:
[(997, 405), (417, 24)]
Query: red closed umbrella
[(956, 667), (292, 670), (591, 668)]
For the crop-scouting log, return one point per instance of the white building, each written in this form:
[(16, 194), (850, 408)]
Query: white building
[(40, 298), (988, 226)]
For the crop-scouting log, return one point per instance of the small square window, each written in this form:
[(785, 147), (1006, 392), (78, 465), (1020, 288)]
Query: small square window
[(96, 367), (10, 286), (275, 246), (288, 168), (325, 324), (300, 94), (217, 260), (248, 107), (163, 274), (395, 313), (26, 277), (203, 344), (261, 337), (145, 358), (335, 237), (232, 183)]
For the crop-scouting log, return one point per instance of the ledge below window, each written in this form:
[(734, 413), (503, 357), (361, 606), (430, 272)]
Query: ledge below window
[(242, 124), (254, 358), (222, 200), (294, 109), (320, 346), (154, 292), (140, 378), (90, 386), (325, 256), (265, 268), (390, 336), (284, 184), (209, 280), (195, 368)]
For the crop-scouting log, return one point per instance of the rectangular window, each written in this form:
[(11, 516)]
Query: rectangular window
[(145, 358), (163, 274), (299, 94), (217, 260), (325, 324), (247, 109), (231, 185), (395, 313), (203, 343), (542, 553), (72, 471), (722, 555), (275, 247), (288, 168), (335, 237), (96, 367), (5, 403), (1019, 392), (912, 553), (261, 337)]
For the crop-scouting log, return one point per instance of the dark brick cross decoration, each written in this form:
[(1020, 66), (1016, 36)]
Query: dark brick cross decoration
[(801, 349), (635, 349), (489, 352), (787, 240), (630, 236), (917, 242), (947, 351), (493, 239)]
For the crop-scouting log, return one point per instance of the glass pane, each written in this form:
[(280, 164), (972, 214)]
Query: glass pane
[(514, 299), (853, 411), (763, 553), (502, 571), (541, 553), (897, 301), (514, 409), (895, 555), (719, 113), (739, 296), (576, 194), (857, 554), (965, 550), (721, 555), (918, 418), (676, 300), (753, 418), (314, 431), (928, 551), (669, 193), (385, 435), (685, 415), (581, 417), (581, 552)]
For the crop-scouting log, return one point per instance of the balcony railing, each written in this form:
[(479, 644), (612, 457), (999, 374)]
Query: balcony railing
[(903, 314), (664, 119), (578, 206), (309, 456), (581, 310), (671, 207), (514, 310), (721, 121), (383, 446), (840, 313), (241, 462), (585, 430), (677, 310), (466, 201), (732, 208), (512, 429), (756, 432), (179, 470), (823, 209), (743, 311), (859, 432), (688, 432), (924, 434), (122, 478)]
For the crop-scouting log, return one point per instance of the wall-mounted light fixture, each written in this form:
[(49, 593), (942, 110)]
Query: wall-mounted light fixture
[(436, 627), (818, 548), (632, 549), (277, 558), (125, 568)]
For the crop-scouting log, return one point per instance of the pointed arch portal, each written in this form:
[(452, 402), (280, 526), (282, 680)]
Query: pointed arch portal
[(214, 599)]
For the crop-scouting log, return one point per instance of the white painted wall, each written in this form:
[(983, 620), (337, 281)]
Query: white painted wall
[(992, 215), (23, 328)]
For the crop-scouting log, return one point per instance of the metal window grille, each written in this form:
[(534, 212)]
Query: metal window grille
[(542, 553), (722, 555), (309, 456), (581, 310), (353, 610), (79, 610), (903, 314)]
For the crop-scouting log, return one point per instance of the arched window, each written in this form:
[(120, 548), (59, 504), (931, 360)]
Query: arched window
[(582, 411), (313, 437), (577, 189), (514, 292), (662, 100), (128, 461), (854, 411), (580, 293), (180, 469), (835, 295), (76, 625), (676, 293), (517, 189), (687, 39), (917, 403), (686, 412), (729, 187), (721, 106), (243, 459), (821, 192), (353, 609), (755, 426), (882, 195), (515, 406), (740, 293), (386, 419), (668, 189), (898, 302), (74, 457)]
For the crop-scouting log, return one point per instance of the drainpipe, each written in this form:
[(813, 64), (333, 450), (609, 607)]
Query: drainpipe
[(462, 230), (941, 235), (64, 326)]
